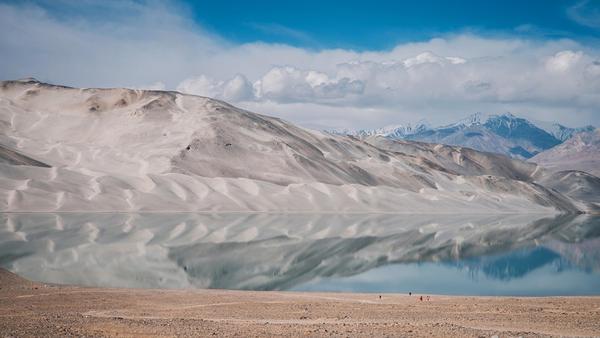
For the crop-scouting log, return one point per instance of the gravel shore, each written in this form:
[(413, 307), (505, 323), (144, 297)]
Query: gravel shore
[(35, 309)]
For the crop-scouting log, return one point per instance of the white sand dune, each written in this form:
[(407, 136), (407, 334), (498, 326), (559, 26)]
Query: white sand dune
[(136, 150)]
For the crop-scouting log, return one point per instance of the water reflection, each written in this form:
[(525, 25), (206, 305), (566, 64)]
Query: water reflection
[(500, 254)]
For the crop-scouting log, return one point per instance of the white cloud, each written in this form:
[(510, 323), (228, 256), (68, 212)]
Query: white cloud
[(238, 89), (429, 57), (289, 84), (442, 79), (201, 85), (563, 61), (592, 71)]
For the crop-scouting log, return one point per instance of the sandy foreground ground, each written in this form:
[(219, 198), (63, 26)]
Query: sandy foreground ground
[(36, 309)]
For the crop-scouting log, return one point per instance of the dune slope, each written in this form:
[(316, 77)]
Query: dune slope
[(135, 150)]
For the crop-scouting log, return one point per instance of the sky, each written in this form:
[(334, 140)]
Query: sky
[(323, 64)]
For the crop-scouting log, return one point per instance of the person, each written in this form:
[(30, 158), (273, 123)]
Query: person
[(410, 293), (421, 298)]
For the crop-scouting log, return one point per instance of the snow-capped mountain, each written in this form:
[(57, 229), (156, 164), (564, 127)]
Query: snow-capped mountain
[(397, 131), (471, 120), (561, 132), (519, 129), (504, 134), (70, 149)]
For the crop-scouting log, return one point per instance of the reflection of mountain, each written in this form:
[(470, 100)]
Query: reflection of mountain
[(512, 265), (585, 254), (266, 252)]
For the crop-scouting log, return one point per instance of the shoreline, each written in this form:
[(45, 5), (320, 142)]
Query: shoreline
[(308, 212), (37, 309)]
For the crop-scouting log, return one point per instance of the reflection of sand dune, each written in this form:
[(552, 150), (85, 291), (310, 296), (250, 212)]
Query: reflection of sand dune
[(256, 251)]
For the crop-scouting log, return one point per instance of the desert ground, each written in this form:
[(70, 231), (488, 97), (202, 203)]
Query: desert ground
[(36, 309)]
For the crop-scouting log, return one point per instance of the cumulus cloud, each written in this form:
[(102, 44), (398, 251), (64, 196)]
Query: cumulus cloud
[(289, 84), (236, 89), (429, 57), (158, 46), (201, 85), (563, 61)]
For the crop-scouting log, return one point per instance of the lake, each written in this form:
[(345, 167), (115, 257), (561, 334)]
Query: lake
[(525, 255)]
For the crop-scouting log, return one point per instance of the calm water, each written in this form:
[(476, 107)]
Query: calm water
[(478, 255)]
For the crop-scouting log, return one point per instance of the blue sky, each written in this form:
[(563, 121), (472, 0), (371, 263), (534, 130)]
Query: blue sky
[(383, 24), (327, 64)]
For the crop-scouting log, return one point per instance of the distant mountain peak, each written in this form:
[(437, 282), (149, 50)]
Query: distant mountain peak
[(504, 133), (476, 118), (512, 127), (396, 131), (562, 132), (508, 119), (473, 119)]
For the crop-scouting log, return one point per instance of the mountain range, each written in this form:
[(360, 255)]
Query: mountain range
[(115, 149), (504, 134)]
